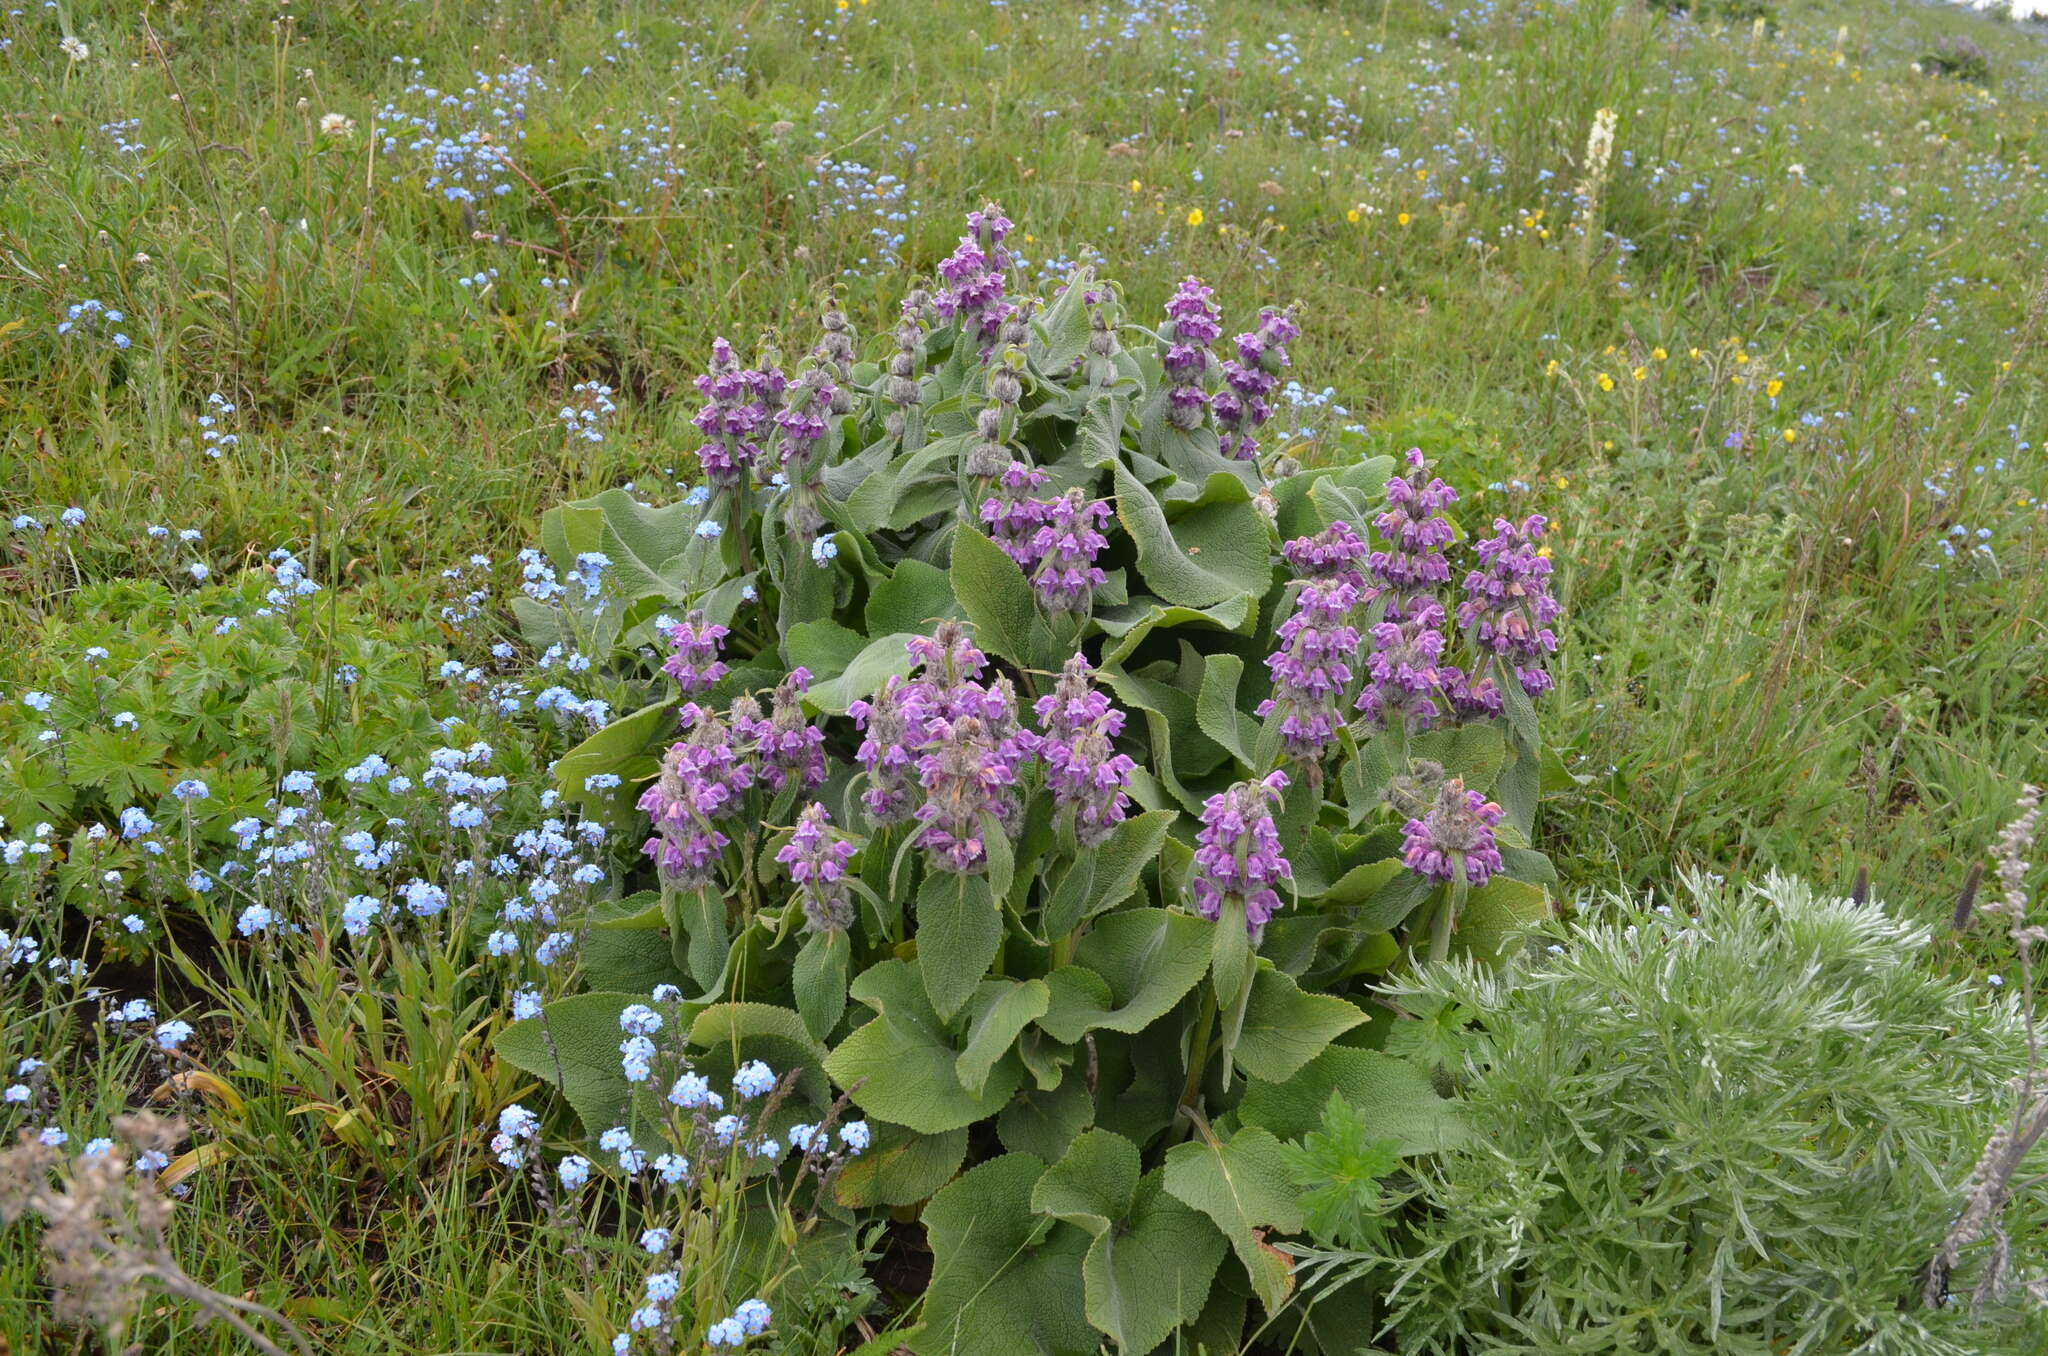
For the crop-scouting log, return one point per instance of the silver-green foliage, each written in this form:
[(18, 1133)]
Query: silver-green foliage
[(1738, 1126)]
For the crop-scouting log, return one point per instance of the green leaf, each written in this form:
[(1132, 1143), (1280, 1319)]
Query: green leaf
[(901, 1066), (818, 980), (1106, 874), (1094, 1183), (1151, 1273), (1474, 752), (1128, 624), (1146, 960), (1003, 1278), (899, 1167), (1243, 1185), (730, 1034), (959, 929), (574, 1044), (613, 748), (1046, 1123), (1497, 911), (999, 601), (1395, 1096), (1521, 713), (1216, 708), (1060, 335), (1002, 1009), (879, 660), (698, 939), (1285, 1028), (1212, 553), (824, 647), (627, 960), (912, 600)]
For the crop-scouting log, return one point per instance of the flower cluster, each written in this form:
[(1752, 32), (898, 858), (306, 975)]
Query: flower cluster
[(973, 278), (738, 403), (1194, 326), (1405, 671), (1508, 605), (789, 749), (1312, 668), (1241, 406), (1237, 852), (703, 778), (1454, 837), (816, 858), (1085, 774), (693, 659), (1054, 541)]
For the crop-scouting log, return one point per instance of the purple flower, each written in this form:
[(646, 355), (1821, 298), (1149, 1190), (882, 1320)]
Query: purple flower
[(1193, 326), (1012, 517), (702, 780), (1332, 553), (885, 754), (1416, 533), (693, 653), (800, 424), (1237, 852), (1455, 835), (1082, 768), (1312, 667), (1403, 673), (1064, 574), (972, 291), (1250, 377), (816, 858), (790, 750), (968, 775), (1508, 606), (738, 402)]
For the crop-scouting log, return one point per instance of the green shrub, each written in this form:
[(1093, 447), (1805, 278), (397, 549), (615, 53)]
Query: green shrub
[(1743, 1130)]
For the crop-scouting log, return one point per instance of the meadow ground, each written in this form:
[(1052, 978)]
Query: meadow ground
[(329, 278)]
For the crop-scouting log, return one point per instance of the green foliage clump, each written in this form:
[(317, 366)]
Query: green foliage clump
[(1737, 1128)]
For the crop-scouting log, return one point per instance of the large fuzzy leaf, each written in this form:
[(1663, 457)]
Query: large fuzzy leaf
[(1213, 552), (1003, 1279), (902, 1066), (1243, 1185)]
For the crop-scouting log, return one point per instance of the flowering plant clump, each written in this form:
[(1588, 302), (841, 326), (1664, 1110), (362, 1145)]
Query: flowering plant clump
[(1027, 756)]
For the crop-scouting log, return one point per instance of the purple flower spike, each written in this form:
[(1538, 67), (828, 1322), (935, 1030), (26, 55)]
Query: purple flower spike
[(1312, 667), (1457, 830), (1249, 378), (1403, 672), (885, 753), (1194, 325), (973, 274), (1082, 767), (791, 751), (1416, 533), (738, 404), (1065, 574), (1012, 516), (816, 858), (1333, 553), (693, 653), (1508, 606), (1237, 852), (968, 775), (702, 780)]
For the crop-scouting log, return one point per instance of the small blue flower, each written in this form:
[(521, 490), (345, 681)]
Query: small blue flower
[(574, 1171), (655, 1241), (190, 789), (854, 1135), (171, 1035), (254, 919), (753, 1079), (754, 1316)]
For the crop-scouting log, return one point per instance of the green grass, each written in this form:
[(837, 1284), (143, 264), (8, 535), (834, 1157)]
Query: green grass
[(1772, 661)]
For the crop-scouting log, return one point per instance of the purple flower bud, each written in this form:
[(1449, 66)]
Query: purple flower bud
[(1064, 574), (972, 294), (1456, 833), (885, 754), (1082, 768), (1237, 852), (693, 659), (1012, 517), (1333, 553), (969, 774), (816, 858), (738, 404)]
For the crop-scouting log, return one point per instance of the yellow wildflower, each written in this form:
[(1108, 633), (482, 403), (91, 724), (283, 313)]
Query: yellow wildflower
[(1772, 387), (1606, 382), (1195, 217)]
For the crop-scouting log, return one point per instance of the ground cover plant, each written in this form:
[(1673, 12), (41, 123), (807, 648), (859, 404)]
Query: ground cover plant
[(389, 535)]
